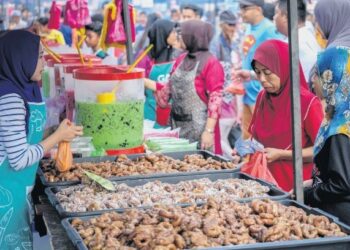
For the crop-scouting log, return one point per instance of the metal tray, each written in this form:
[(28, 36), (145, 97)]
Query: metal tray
[(273, 194), (335, 243), (175, 155)]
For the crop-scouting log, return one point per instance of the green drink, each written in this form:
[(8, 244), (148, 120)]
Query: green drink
[(112, 126), (45, 79)]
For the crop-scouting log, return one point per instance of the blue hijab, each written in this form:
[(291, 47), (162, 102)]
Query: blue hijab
[(19, 53), (334, 71)]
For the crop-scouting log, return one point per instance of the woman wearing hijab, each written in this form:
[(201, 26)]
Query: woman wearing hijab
[(272, 120), (22, 121), (195, 88), (158, 64), (331, 183)]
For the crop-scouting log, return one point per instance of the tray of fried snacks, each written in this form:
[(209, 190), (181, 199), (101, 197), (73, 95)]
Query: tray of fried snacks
[(259, 224), (135, 166), (90, 198)]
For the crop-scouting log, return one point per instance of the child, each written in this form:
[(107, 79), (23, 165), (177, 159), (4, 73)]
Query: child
[(92, 40)]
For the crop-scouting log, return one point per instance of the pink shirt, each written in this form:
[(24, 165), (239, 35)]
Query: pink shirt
[(146, 63), (209, 86)]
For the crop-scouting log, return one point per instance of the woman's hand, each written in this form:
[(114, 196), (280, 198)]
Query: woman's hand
[(235, 157), (306, 184), (149, 84), (207, 140), (272, 154), (241, 76), (67, 131)]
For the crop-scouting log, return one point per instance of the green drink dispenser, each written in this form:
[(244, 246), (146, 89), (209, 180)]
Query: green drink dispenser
[(115, 125), (48, 80)]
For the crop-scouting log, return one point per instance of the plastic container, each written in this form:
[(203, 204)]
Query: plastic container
[(67, 82), (273, 194), (83, 148), (72, 60), (118, 125), (48, 80), (339, 243)]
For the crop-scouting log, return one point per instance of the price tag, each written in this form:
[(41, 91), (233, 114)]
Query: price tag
[(106, 184)]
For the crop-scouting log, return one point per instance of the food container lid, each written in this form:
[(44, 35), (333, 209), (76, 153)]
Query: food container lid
[(108, 73), (68, 55), (50, 63), (71, 58), (69, 68)]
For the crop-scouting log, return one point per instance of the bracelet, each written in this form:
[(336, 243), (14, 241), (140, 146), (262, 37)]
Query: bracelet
[(210, 131)]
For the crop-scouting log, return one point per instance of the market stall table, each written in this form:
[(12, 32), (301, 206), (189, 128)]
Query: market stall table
[(58, 237)]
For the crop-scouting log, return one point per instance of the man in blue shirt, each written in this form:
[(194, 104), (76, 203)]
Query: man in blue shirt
[(259, 29)]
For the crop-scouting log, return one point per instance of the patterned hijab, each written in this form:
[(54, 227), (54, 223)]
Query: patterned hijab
[(334, 72)]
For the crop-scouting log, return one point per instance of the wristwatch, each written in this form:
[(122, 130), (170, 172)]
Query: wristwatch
[(211, 131)]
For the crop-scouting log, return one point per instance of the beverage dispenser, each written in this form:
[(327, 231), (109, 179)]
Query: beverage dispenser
[(115, 125)]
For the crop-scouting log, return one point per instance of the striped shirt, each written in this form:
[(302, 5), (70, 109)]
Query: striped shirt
[(13, 136)]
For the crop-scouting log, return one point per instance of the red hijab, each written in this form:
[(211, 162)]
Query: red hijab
[(272, 121)]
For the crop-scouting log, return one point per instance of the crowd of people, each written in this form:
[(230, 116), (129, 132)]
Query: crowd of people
[(215, 87)]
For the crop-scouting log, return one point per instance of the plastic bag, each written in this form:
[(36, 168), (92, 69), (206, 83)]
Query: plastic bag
[(257, 167), (113, 32), (77, 13), (64, 158), (235, 89), (55, 15), (163, 115), (249, 146)]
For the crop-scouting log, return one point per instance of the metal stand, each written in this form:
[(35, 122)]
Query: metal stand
[(127, 26), (295, 98)]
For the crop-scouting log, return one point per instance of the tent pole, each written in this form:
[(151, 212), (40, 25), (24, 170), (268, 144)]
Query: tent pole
[(127, 26), (295, 99)]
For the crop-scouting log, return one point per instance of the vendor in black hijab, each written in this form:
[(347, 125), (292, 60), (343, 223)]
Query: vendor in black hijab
[(158, 64)]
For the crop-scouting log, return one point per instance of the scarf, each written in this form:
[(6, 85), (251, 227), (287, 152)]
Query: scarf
[(158, 35), (196, 36), (273, 116), (19, 53)]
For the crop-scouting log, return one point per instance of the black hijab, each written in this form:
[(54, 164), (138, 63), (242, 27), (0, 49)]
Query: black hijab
[(158, 35), (19, 53)]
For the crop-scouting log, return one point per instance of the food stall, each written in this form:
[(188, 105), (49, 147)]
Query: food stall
[(180, 200)]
